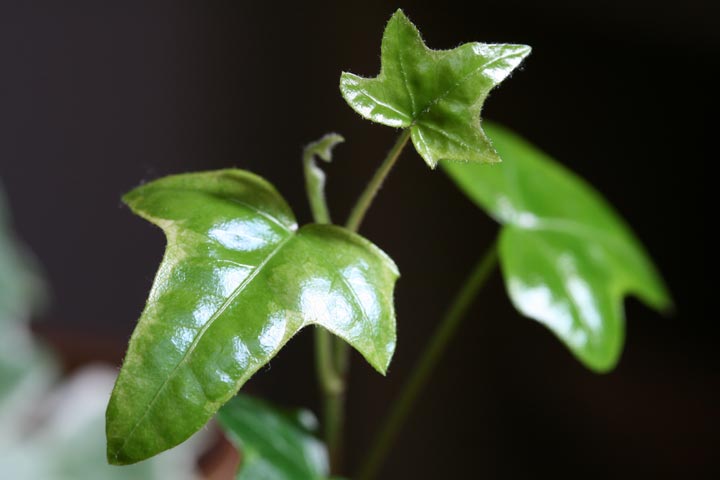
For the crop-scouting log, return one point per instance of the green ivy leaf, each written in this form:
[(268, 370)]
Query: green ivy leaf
[(237, 281), (275, 444), (438, 94), (568, 259)]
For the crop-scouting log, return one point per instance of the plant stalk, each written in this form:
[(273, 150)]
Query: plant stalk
[(332, 354), (332, 385), (335, 402), (425, 366), (361, 206)]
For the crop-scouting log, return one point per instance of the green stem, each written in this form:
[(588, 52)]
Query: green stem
[(332, 385), (331, 354), (358, 212), (335, 402), (330, 382), (426, 364), (333, 396)]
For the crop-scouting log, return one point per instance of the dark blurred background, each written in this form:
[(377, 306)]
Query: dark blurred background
[(96, 97)]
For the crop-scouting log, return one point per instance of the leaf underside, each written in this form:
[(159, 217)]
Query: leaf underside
[(567, 258), (438, 94), (237, 281)]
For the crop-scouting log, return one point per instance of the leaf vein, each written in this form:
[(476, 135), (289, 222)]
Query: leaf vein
[(265, 215), (453, 138), (354, 294), (405, 81), (388, 106), (200, 334), (460, 82)]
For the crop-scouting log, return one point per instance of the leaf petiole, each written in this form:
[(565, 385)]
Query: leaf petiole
[(331, 354), (332, 371), (331, 380), (363, 203)]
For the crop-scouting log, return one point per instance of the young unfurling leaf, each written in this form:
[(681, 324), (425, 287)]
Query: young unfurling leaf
[(438, 94), (314, 175), (237, 281)]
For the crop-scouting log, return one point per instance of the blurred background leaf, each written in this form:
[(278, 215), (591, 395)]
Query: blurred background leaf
[(53, 428), (63, 437), (567, 257), (22, 290)]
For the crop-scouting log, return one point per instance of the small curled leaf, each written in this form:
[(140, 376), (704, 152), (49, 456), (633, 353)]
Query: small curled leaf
[(315, 177)]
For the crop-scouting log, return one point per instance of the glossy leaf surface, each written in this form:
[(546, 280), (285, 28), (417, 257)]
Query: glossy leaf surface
[(567, 258), (274, 444), (237, 281), (438, 94)]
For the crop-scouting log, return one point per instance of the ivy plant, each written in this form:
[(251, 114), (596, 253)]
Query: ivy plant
[(239, 277)]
